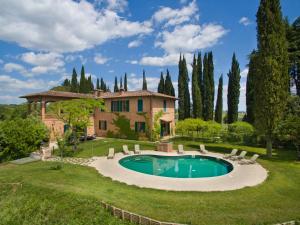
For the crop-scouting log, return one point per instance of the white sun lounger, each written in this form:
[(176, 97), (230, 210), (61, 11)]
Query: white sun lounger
[(233, 153), (125, 150), (202, 149), (111, 153), (137, 149), (180, 149), (252, 160), (239, 157)]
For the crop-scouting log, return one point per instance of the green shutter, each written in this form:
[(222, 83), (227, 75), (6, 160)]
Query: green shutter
[(140, 105), (136, 126), (127, 105)]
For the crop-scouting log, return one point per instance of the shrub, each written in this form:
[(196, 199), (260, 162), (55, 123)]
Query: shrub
[(240, 132), (20, 137), (124, 130)]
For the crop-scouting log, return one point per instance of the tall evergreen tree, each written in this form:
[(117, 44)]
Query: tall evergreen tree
[(144, 81), (98, 83), (210, 110), (187, 100), (219, 103), (90, 84), (121, 83), (161, 84), (116, 88), (66, 83), (252, 73), (83, 82), (233, 93), (200, 77), (102, 85), (125, 82), (293, 37), (272, 80), (196, 94), (74, 82), (169, 88), (205, 85), (180, 90)]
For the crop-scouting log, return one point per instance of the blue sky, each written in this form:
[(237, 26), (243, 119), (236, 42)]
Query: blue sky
[(41, 42)]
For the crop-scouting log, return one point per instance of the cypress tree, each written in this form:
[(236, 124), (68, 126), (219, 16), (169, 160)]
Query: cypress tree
[(66, 83), (83, 82), (102, 85), (168, 88), (90, 84), (272, 80), (121, 83), (161, 84), (233, 94), (219, 103), (125, 82), (250, 87), (200, 77), (116, 88), (196, 94), (97, 84), (74, 82), (144, 81), (180, 90), (210, 111), (187, 100)]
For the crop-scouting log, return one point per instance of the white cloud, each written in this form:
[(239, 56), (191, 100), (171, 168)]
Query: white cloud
[(190, 37), (173, 17), (132, 61), (245, 21), (73, 57), (99, 59), (11, 67), (117, 5), (169, 59), (134, 43), (44, 62), (244, 72), (10, 84), (63, 26), (136, 83)]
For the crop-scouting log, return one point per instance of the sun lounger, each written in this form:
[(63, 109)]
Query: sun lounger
[(239, 157), (180, 149), (137, 149), (252, 160), (233, 153), (111, 153), (202, 149), (125, 150)]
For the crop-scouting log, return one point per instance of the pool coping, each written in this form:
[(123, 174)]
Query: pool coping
[(241, 176)]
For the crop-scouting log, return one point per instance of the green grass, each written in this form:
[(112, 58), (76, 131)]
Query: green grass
[(276, 200)]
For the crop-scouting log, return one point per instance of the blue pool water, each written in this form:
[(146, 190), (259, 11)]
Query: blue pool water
[(186, 166)]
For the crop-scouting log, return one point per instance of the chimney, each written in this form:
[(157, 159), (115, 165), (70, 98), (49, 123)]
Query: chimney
[(98, 92)]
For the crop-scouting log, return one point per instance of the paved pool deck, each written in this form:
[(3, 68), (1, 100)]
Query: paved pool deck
[(241, 176)]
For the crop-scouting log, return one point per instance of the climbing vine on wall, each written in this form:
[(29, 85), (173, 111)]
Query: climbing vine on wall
[(124, 131)]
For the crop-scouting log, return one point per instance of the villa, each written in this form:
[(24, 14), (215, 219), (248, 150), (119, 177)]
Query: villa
[(134, 105)]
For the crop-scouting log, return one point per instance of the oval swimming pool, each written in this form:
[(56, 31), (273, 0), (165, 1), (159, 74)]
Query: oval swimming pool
[(186, 166)]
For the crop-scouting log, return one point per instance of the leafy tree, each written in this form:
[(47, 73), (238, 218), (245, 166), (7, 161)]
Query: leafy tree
[(250, 88), (289, 126), (240, 132), (181, 86), (233, 94), (122, 123), (19, 137), (196, 94), (76, 113), (74, 82), (125, 82), (161, 84), (116, 88), (293, 37), (144, 81), (219, 104), (272, 81), (82, 82), (168, 88)]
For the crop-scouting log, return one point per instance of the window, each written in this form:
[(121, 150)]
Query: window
[(165, 105), (140, 105), (140, 127), (120, 106), (102, 125)]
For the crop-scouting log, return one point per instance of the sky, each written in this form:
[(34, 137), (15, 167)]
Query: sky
[(42, 41)]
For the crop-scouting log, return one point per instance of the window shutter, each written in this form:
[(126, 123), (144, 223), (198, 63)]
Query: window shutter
[(136, 126)]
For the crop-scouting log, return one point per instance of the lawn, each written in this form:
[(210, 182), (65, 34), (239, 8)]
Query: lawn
[(79, 188)]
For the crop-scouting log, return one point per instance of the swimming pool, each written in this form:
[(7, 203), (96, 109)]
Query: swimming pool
[(187, 166)]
